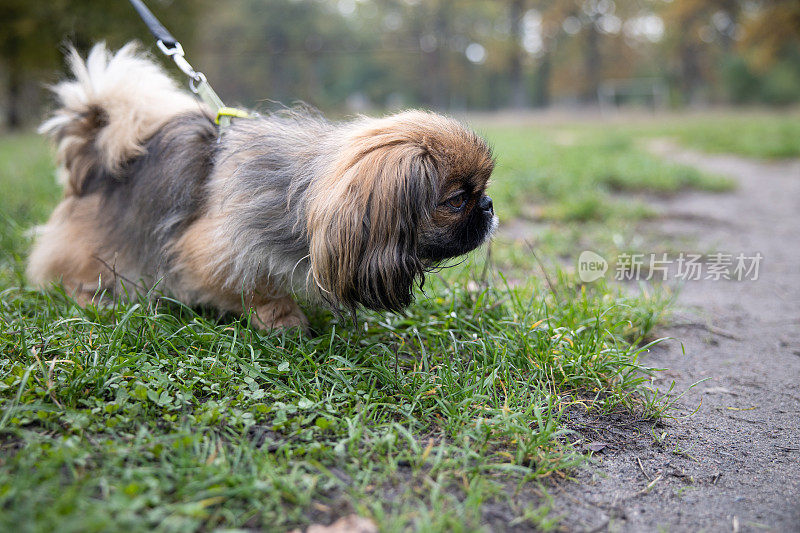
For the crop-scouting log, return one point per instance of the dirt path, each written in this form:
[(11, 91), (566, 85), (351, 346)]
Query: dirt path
[(735, 464)]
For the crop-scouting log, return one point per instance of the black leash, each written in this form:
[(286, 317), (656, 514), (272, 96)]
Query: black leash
[(198, 83), (154, 25)]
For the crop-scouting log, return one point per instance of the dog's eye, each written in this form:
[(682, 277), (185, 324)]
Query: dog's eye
[(457, 201)]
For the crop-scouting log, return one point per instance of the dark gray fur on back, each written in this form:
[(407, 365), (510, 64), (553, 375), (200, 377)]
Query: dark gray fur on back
[(264, 167), (157, 195)]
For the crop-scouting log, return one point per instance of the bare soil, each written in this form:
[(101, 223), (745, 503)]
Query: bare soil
[(733, 465)]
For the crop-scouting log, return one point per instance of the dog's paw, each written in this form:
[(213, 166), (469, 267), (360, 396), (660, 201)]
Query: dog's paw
[(281, 313)]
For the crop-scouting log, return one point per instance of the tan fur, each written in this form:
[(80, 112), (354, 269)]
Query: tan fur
[(195, 257), (366, 184), (201, 250), (198, 266), (279, 313), (336, 217), (69, 247)]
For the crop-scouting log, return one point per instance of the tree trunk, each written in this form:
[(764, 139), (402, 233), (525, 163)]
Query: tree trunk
[(541, 89), (13, 93), (592, 64), (439, 67), (519, 99), (691, 76)]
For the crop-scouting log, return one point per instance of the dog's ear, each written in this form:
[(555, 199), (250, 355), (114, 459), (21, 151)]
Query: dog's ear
[(363, 221)]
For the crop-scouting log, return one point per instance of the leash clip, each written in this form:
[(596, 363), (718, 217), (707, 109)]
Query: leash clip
[(176, 48), (176, 53)]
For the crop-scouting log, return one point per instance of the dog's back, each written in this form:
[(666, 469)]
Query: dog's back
[(113, 105), (133, 152)]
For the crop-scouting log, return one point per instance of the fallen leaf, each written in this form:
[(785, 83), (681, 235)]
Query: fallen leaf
[(596, 446)]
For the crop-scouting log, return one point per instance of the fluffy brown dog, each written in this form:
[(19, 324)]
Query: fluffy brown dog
[(351, 214)]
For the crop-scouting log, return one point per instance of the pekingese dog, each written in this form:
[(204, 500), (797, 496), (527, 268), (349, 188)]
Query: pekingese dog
[(351, 214)]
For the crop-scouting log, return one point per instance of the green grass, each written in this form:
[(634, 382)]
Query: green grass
[(753, 134), (571, 174), (148, 414), (572, 171), (584, 185)]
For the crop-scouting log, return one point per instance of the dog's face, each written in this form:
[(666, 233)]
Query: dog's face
[(408, 191), (464, 215)]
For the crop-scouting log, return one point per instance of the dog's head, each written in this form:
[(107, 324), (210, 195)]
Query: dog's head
[(407, 192)]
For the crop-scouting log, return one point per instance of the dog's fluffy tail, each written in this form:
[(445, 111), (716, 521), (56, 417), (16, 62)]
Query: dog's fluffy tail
[(113, 104)]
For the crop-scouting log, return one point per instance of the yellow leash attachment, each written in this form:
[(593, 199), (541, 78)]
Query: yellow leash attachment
[(225, 114)]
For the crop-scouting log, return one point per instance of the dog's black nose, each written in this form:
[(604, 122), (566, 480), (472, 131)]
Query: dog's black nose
[(485, 203)]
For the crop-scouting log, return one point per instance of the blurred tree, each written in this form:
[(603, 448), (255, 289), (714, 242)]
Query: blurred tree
[(585, 36), (252, 53), (437, 65), (771, 31), (551, 14), (519, 97), (699, 34), (27, 42), (34, 32), (744, 50), (451, 54)]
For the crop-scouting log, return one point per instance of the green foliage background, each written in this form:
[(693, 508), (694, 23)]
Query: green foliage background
[(347, 55)]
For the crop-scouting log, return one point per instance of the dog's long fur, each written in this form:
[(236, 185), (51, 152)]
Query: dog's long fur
[(284, 202)]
